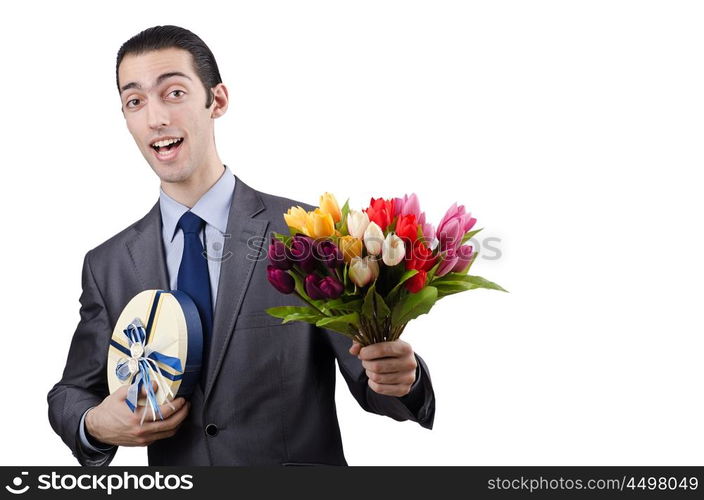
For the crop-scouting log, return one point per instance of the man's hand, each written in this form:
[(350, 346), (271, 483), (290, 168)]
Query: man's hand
[(390, 366), (112, 422)]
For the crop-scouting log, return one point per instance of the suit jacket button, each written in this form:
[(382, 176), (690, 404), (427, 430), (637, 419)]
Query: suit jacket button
[(211, 430)]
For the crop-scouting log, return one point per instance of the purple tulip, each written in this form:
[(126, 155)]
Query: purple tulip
[(281, 280), (279, 254), (328, 253), (301, 252), (331, 287), (449, 260), (312, 286), (464, 255)]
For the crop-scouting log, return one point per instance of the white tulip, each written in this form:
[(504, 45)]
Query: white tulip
[(373, 238), (357, 223), (393, 250), (363, 270), (373, 265)]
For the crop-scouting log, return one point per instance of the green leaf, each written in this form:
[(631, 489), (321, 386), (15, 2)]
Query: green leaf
[(485, 283), (283, 238), (445, 289), (283, 311), (342, 225), (469, 235), (374, 306), (295, 313), (347, 324), (471, 282), (413, 305), (433, 270), (343, 304), (393, 293)]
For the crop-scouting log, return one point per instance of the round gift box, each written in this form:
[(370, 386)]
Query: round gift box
[(173, 328)]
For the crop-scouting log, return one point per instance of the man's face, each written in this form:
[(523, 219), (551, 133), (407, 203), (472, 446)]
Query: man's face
[(164, 100)]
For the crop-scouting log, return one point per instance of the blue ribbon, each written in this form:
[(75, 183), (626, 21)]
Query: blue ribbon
[(136, 333)]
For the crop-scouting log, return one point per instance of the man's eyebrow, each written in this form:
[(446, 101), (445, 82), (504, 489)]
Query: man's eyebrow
[(161, 78)]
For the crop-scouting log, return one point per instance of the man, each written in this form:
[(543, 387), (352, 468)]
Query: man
[(267, 391)]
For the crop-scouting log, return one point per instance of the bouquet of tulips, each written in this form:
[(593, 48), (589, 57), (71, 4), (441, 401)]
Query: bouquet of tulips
[(367, 273)]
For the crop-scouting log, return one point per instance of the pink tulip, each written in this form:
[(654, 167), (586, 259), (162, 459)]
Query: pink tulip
[(449, 260), (464, 255), (407, 205), (453, 226), (427, 227)]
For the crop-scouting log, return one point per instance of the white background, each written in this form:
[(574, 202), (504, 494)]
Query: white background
[(571, 130)]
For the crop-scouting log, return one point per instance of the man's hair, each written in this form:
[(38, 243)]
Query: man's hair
[(166, 37)]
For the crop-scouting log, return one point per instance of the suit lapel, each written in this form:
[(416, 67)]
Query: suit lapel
[(238, 259), (146, 250)]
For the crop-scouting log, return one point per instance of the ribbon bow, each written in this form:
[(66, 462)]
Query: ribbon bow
[(142, 366)]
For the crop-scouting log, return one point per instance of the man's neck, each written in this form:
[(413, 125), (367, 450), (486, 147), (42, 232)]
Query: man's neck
[(188, 192)]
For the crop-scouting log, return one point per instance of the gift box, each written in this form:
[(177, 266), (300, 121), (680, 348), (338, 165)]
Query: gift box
[(158, 336)]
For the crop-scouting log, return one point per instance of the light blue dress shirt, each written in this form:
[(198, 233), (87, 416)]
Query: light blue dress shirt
[(214, 208)]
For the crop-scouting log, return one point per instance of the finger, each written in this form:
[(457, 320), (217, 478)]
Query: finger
[(143, 390), (389, 365), (169, 423), (396, 348), (397, 390), (163, 435), (170, 407), (121, 392), (392, 378), (155, 436)]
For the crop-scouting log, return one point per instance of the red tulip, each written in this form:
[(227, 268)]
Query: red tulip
[(416, 282), (381, 211), (407, 228), (420, 257)]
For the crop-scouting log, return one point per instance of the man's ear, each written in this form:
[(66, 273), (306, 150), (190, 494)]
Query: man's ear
[(220, 100)]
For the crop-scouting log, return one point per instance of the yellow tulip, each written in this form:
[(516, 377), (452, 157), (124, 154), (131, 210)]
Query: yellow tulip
[(320, 224), (328, 205), (297, 218), (351, 247)]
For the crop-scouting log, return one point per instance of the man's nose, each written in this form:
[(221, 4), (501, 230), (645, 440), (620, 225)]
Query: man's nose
[(157, 115)]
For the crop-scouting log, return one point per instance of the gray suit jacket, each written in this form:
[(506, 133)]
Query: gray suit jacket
[(270, 392)]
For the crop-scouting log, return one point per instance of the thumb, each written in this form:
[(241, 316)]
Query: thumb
[(121, 392), (356, 347)]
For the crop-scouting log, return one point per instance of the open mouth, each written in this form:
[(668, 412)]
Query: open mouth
[(168, 148)]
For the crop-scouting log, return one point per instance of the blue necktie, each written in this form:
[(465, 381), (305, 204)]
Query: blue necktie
[(194, 279)]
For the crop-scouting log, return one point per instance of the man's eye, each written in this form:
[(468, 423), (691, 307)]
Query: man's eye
[(182, 92), (131, 101)]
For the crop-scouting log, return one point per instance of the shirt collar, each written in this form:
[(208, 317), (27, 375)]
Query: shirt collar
[(213, 207)]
